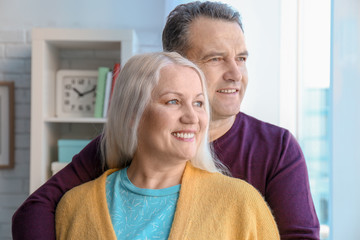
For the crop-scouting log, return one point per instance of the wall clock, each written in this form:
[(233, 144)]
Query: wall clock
[(76, 93)]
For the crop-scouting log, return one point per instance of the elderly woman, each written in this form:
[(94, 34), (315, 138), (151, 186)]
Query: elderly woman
[(163, 181)]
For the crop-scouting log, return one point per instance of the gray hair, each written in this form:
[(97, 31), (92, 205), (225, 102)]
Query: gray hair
[(176, 30), (132, 92)]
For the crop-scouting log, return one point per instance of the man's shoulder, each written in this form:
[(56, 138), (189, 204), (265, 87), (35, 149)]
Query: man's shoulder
[(248, 125), (257, 123), (270, 139)]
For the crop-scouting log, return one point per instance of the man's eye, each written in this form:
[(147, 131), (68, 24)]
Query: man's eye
[(172, 102), (242, 59), (215, 59)]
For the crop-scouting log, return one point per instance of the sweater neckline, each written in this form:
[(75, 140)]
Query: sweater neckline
[(125, 181)]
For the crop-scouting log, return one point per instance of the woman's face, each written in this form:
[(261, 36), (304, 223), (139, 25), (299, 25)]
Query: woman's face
[(175, 120)]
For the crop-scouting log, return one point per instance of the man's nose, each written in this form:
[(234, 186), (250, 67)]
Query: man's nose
[(233, 71)]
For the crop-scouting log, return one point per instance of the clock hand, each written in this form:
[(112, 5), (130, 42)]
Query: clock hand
[(90, 91), (79, 93)]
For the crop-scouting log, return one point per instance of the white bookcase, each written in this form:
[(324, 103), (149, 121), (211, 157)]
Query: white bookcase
[(49, 48)]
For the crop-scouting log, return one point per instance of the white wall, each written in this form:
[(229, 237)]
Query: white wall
[(346, 120), (82, 13), (106, 14)]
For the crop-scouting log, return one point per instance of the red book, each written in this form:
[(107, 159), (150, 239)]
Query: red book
[(116, 72)]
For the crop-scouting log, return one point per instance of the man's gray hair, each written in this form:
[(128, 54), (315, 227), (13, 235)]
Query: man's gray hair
[(176, 30)]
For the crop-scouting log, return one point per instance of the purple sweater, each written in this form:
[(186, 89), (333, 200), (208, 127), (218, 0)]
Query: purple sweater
[(266, 156)]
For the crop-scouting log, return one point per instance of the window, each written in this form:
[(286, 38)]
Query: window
[(314, 102)]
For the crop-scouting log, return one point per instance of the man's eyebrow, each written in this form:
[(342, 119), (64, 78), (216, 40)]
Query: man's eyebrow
[(243, 53), (221, 54), (212, 54)]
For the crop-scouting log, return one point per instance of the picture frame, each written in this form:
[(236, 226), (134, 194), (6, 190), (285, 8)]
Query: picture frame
[(6, 125)]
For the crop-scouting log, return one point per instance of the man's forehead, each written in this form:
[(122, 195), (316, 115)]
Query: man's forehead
[(215, 37)]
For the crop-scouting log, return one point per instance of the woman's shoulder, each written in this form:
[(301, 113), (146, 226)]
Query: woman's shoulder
[(86, 190), (222, 185), (82, 211), (233, 185)]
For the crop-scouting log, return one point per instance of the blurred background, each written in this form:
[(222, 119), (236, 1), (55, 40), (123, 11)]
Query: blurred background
[(304, 75)]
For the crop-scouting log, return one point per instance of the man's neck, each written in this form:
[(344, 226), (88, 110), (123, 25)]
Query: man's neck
[(220, 126)]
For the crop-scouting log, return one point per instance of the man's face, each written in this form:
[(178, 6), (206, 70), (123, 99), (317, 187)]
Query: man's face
[(218, 48)]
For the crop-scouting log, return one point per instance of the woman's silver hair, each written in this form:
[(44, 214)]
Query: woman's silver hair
[(175, 35), (132, 93)]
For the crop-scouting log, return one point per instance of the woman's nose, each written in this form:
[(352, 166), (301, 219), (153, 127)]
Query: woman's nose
[(189, 115)]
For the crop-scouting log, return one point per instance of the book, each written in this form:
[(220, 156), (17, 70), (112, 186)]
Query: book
[(107, 92), (116, 72), (100, 91)]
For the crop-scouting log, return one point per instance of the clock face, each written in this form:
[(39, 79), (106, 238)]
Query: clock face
[(76, 94), (79, 94)]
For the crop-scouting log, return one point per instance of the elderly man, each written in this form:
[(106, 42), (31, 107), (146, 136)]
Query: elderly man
[(268, 157)]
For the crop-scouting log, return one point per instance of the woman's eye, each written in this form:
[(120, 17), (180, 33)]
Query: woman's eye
[(198, 103), (172, 102)]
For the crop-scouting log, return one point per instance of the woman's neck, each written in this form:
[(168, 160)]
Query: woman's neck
[(154, 176)]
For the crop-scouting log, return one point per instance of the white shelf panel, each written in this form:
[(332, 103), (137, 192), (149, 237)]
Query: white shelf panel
[(74, 120)]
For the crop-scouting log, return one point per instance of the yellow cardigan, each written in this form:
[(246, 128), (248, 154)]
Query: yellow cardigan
[(210, 206)]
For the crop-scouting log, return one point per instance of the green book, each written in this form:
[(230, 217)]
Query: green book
[(100, 92)]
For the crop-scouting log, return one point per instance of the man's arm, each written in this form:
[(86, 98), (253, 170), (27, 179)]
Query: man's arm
[(35, 218), (288, 194)]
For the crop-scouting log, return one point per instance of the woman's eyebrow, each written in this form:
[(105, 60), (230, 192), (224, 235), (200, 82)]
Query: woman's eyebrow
[(178, 93), (170, 92)]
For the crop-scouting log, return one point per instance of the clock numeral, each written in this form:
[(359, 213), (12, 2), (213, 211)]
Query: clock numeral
[(68, 86), (72, 81), (81, 81), (73, 107), (81, 108), (88, 108), (66, 102), (67, 94)]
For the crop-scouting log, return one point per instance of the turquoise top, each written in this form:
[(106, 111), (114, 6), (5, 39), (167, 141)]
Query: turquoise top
[(138, 213)]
